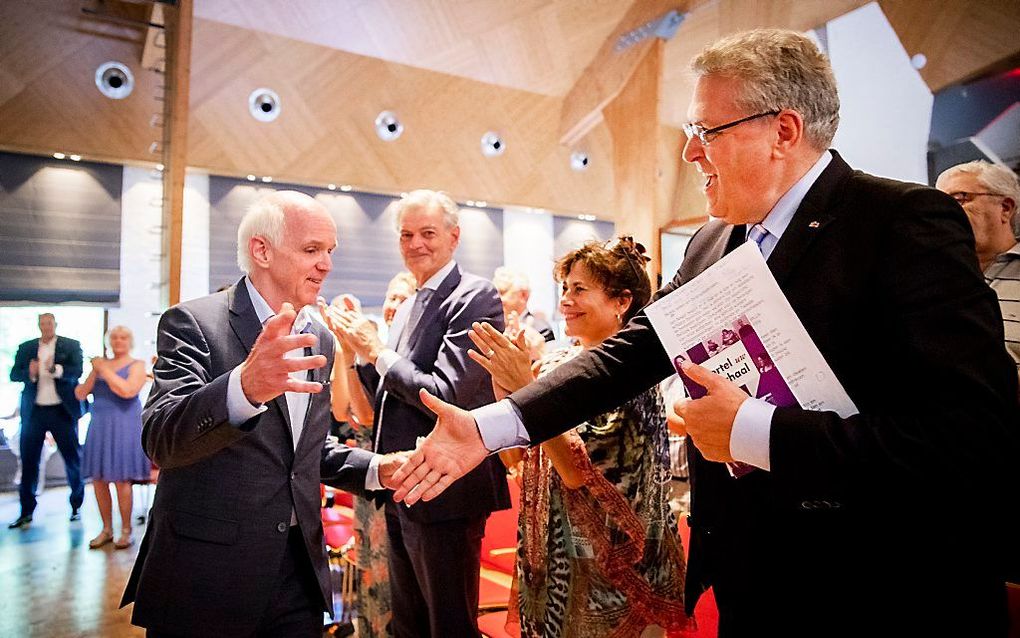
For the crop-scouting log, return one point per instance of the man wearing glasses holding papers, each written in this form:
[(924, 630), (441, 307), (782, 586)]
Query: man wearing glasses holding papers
[(845, 528)]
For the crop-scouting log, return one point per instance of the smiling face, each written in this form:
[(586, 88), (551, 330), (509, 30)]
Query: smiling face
[(294, 270), (426, 241), (121, 341), (592, 316), (739, 182)]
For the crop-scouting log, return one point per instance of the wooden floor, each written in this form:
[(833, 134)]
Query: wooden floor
[(51, 583)]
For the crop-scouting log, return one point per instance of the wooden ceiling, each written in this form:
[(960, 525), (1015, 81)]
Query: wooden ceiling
[(543, 46)]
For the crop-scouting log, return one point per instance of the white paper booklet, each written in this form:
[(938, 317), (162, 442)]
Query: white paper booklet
[(734, 320)]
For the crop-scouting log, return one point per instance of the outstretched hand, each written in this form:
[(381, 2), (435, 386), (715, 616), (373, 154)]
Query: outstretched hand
[(265, 374), (709, 420), (451, 450)]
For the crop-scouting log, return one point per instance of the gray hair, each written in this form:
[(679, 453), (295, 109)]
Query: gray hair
[(997, 179), (122, 329), (505, 279), (426, 199), (265, 219), (779, 69)]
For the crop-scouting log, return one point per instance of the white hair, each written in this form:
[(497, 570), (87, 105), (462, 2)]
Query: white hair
[(506, 279), (779, 69), (997, 179), (124, 330), (265, 219), (426, 199)]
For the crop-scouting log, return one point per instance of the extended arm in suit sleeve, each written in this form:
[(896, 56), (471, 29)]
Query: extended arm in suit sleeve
[(344, 467), (595, 381), (186, 417), (19, 371), (454, 378), (939, 400)]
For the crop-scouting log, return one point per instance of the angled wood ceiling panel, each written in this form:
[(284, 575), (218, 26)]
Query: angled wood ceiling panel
[(49, 53), (325, 133)]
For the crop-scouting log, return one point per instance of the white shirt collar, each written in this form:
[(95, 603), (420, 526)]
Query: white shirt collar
[(265, 313), (432, 283), (781, 214)]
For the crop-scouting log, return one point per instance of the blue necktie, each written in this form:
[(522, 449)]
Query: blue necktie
[(757, 234), (421, 299)]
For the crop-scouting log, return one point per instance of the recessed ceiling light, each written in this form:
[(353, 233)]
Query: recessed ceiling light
[(160, 167), (481, 204), (75, 158), (492, 144), (59, 156), (331, 187), (264, 105), (579, 161), (469, 202), (250, 177), (403, 195), (388, 126), (346, 188), (267, 179), (586, 218)]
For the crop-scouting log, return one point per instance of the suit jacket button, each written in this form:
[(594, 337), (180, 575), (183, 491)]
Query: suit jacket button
[(281, 527), (293, 476), (807, 505)]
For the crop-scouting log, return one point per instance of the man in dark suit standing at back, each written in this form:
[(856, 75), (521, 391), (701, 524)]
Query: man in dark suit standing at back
[(237, 424), (435, 548), (849, 525), (49, 367)]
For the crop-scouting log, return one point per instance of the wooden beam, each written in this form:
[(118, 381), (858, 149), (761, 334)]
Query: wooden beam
[(175, 141), (608, 72), (154, 50), (633, 122)]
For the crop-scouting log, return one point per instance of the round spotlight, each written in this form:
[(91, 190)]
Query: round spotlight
[(59, 156), (579, 161), (918, 61), (492, 144), (114, 80), (331, 187), (346, 188), (74, 158), (250, 177), (160, 167), (264, 105), (267, 179), (387, 126)]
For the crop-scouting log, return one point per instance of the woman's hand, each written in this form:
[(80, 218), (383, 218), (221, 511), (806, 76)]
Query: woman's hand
[(505, 359)]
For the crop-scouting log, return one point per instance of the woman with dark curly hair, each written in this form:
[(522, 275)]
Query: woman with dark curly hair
[(598, 551)]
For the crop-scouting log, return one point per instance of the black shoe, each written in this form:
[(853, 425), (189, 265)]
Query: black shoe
[(22, 521), (75, 515)]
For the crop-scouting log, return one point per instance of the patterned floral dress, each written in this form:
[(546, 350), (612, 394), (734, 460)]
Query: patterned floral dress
[(374, 604), (603, 559)]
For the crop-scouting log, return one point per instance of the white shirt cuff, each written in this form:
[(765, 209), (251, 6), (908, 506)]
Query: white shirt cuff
[(58, 371), (749, 439), (385, 361), (372, 475), (500, 426), (239, 408)]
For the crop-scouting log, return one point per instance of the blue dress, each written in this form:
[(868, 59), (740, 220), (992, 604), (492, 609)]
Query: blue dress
[(113, 446)]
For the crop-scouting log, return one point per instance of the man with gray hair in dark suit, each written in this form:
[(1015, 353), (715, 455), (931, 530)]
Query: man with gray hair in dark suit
[(237, 423)]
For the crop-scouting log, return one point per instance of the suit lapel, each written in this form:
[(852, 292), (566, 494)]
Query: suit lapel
[(813, 215), (442, 292), (244, 321)]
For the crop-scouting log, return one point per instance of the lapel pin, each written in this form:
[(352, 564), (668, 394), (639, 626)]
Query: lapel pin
[(814, 224)]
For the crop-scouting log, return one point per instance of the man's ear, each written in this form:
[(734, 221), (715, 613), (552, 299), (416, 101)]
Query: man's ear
[(260, 251), (789, 132), (1008, 209)]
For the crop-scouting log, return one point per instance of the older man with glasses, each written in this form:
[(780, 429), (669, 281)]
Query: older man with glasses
[(989, 194), (843, 528)]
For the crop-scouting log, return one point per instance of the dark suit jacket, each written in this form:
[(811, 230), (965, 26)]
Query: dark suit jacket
[(218, 528), (67, 353), (539, 324), (437, 361), (896, 512)]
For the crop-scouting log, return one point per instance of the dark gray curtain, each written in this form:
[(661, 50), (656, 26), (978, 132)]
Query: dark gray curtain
[(59, 230)]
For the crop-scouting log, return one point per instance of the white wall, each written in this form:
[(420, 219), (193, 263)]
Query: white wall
[(195, 242), (885, 113), (528, 247), (140, 258)]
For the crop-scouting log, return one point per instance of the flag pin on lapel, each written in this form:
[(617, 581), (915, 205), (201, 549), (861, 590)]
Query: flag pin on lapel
[(814, 224)]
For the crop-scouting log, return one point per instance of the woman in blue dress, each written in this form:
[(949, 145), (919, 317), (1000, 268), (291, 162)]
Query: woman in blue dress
[(113, 447)]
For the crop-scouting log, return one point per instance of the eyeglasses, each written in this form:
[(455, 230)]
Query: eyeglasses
[(963, 197), (706, 135)]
